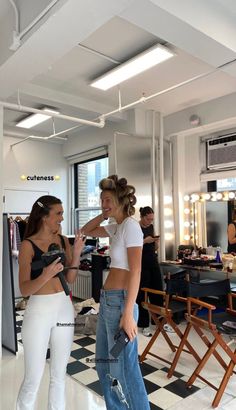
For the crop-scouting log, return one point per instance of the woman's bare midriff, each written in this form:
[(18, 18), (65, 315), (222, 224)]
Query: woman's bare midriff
[(52, 286), (117, 279)]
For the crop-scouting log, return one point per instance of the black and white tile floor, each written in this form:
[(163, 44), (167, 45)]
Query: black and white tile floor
[(163, 393)]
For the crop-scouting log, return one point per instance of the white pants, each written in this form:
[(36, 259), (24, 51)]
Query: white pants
[(47, 318)]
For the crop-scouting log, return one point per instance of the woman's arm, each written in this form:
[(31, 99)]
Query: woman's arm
[(127, 321), (231, 234), (28, 286), (157, 241), (73, 258), (93, 228)]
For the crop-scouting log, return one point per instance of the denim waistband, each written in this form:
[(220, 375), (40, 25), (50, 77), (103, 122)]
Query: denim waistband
[(122, 293)]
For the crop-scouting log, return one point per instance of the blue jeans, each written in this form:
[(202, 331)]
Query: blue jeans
[(121, 379)]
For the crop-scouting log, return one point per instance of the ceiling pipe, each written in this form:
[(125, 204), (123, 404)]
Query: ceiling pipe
[(160, 151), (17, 36), (17, 21), (144, 99), (23, 108), (32, 137), (102, 117)]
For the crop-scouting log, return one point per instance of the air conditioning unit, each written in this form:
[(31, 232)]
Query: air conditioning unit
[(221, 152)]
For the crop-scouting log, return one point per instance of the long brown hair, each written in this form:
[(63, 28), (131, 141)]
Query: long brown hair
[(122, 192), (40, 208)]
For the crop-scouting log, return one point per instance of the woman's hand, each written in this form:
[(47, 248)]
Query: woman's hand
[(78, 243), (129, 325), (149, 239), (53, 269)]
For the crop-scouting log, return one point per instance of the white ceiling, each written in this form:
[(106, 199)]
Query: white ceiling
[(54, 64)]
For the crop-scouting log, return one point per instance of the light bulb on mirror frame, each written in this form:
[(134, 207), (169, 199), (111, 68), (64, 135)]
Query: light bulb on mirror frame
[(186, 237), (168, 211), (168, 224), (186, 211), (168, 200)]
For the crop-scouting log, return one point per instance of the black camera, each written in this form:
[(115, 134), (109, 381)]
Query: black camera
[(54, 252), (51, 255)]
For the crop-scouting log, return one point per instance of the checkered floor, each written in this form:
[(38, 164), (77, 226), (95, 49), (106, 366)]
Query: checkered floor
[(163, 393)]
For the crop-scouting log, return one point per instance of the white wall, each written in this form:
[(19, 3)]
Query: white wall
[(36, 158), (217, 114), (31, 158), (192, 164), (89, 138)]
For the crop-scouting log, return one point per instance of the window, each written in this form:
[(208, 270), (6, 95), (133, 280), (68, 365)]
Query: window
[(87, 192), (226, 184)]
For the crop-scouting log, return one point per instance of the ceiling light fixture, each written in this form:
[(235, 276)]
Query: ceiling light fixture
[(36, 119), (142, 62)]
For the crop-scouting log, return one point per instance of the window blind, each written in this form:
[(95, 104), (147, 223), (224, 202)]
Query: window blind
[(88, 155)]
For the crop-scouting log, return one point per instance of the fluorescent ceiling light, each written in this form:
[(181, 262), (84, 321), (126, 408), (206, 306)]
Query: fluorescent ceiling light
[(35, 119), (136, 65)]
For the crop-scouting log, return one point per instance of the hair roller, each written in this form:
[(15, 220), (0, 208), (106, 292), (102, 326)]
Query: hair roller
[(122, 182), (107, 183)]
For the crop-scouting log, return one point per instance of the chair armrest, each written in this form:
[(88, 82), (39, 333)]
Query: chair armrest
[(154, 291), (231, 311), (159, 310), (157, 292), (201, 303), (179, 299)]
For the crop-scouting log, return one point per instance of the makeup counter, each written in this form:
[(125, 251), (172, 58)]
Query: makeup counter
[(204, 273)]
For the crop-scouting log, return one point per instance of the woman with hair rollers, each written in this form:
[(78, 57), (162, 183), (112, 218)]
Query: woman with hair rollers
[(48, 305), (121, 379)]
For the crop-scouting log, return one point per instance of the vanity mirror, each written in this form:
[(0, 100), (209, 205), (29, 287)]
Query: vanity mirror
[(206, 218)]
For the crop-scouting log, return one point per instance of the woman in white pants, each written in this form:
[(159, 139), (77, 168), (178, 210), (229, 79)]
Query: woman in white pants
[(49, 316)]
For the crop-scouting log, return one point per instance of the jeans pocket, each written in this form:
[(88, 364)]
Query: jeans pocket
[(113, 302)]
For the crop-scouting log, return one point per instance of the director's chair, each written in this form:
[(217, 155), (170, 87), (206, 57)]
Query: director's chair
[(215, 324), (174, 301)]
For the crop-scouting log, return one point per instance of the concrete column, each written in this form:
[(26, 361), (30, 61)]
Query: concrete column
[(1, 211)]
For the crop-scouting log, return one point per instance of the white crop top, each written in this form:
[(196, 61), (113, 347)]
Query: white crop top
[(123, 236)]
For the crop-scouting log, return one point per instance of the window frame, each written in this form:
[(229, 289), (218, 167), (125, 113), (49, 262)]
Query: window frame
[(77, 208)]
